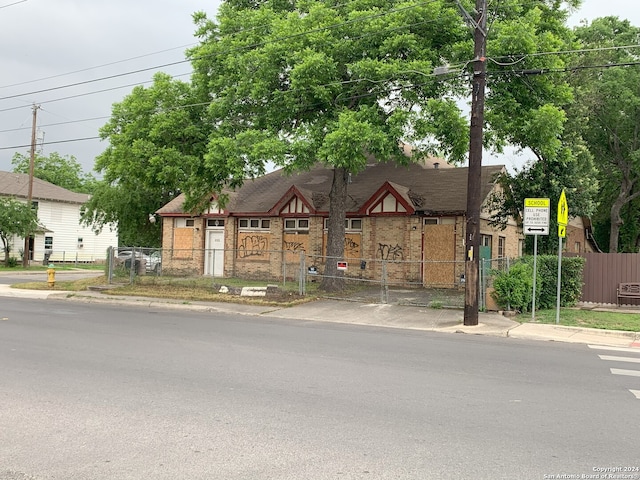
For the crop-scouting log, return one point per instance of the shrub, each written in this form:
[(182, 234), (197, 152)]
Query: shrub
[(546, 280), (514, 288), (13, 262)]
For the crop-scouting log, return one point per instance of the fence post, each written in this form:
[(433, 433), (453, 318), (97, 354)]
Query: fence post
[(384, 287), (483, 273), (284, 268), (132, 266), (109, 265), (303, 277)]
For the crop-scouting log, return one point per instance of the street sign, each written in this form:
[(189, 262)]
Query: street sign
[(536, 216), (562, 231), (563, 210), (536, 230)]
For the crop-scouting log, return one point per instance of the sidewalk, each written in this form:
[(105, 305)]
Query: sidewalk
[(380, 315)]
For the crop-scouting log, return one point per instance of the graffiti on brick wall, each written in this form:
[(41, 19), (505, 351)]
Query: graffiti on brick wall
[(390, 252), (293, 246), (253, 246), (351, 248)]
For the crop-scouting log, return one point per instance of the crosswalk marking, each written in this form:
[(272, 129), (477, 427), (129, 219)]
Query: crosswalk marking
[(615, 349), (630, 373), (613, 358)]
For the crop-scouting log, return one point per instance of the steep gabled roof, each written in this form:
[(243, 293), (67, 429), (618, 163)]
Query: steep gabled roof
[(17, 185), (434, 191)]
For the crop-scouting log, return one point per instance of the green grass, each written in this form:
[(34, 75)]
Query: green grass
[(575, 317)]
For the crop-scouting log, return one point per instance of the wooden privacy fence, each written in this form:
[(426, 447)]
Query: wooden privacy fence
[(604, 271)]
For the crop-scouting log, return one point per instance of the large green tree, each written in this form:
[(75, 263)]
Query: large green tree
[(64, 172), (341, 83), (531, 105), (155, 136), (16, 218), (297, 83), (607, 85)]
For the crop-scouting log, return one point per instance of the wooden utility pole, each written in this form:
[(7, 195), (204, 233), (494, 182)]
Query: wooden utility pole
[(32, 160), (474, 184)]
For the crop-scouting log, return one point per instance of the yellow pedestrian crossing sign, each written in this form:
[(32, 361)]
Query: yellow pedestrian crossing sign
[(562, 231), (563, 210)]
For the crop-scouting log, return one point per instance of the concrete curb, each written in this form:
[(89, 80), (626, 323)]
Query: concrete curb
[(352, 313)]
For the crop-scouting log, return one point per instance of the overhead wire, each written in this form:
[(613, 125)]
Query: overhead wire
[(377, 15)]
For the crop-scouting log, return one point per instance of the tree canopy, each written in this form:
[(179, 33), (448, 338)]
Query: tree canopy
[(296, 83), (156, 135), (63, 172), (607, 88), (16, 218)]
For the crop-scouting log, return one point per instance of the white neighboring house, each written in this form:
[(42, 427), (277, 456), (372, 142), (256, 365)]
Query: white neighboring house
[(60, 234)]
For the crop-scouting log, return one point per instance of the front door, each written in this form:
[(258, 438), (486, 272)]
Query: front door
[(214, 258)]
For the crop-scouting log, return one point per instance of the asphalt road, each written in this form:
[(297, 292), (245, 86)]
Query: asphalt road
[(104, 392)]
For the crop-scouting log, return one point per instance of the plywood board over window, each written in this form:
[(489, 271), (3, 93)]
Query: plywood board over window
[(183, 242), (293, 244), (253, 245), (352, 246), (439, 256)]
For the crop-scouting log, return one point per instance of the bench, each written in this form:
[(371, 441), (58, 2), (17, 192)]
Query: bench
[(628, 290)]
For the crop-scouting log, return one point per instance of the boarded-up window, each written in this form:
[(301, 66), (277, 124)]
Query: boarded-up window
[(253, 245), (352, 246), (294, 243), (182, 242), (439, 256)]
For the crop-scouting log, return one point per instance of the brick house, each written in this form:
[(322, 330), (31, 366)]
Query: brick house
[(412, 218)]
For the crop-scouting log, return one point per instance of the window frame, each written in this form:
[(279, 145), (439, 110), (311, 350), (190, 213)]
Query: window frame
[(254, 224), (348, 224)]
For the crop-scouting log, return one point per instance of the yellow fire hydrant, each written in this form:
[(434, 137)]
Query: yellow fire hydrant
[(51, 275)]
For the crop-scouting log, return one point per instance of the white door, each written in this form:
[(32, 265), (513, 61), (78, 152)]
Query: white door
[(214, 258)]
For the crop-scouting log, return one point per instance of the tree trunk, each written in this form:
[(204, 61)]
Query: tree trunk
[(616, 219), (333, 279)]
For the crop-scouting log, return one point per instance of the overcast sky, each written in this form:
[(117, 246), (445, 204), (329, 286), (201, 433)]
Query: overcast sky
[(48, 44)]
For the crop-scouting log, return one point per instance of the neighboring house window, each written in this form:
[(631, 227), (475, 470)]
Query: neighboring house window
[(439, 221), (502, 243), (577, 247), (48, 243), (185, 222), (350, 224), (296, 224), (254, 224), (80, 242), (215, 222), (34, 205)]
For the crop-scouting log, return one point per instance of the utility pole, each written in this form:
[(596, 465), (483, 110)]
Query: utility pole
[(32, 160), (474, 184)]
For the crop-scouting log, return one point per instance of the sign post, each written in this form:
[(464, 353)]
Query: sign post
[(563, 218), (536, 222)]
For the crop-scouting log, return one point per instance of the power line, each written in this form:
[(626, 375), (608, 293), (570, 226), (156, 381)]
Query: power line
[(15, 147), (56, 124), (12, 4), (245, 47), (94, 67)]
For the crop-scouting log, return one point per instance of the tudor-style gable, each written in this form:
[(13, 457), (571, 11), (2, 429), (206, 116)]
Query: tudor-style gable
[(292, 203), (389, 199)]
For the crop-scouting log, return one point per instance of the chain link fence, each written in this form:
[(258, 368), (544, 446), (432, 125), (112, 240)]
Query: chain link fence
[(371, 280)]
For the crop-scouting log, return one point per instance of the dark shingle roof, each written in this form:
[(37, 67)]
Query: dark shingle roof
[(432, 190), (17, 185)]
